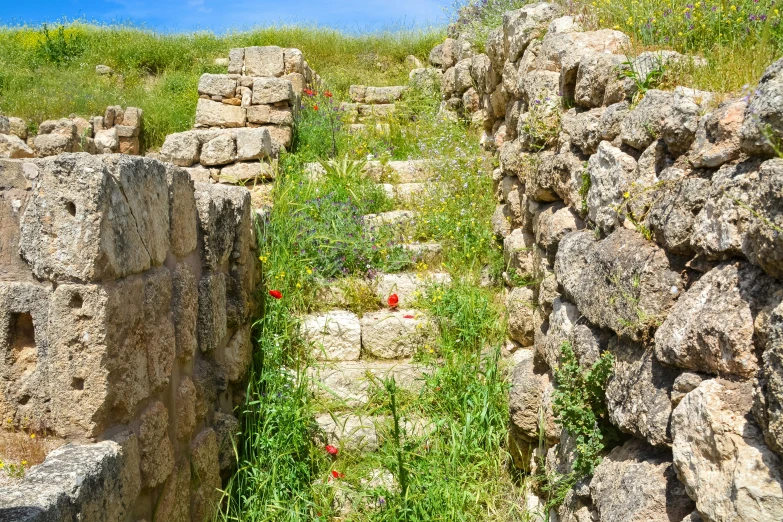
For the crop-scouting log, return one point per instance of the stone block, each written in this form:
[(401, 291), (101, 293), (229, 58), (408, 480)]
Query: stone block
[(236, 60), (272, 90), (282, 136), (126, 131), (159, 328), (220, 150), (212, 321), (130, 146), (173, 505), (181, 148), (335, 335), (217, 85), (106, 142), (94, 218), (388, 334), (266, 114), (520, 304), (294, 61), (157, 452), (185, 309), (267, 61), (222, 209), (253, 144), (226, 427), (235, 358), (13, 147), (185, 409), (182, 216), (215, 114), (205, 480), (52, 144)]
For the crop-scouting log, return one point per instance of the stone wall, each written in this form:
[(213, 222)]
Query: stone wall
[(117, 131), (125, 309), (651, 224)]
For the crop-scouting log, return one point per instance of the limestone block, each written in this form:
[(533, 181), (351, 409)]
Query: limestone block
[(159, 328), (212, 321), (240, 173), (294, 61), (226, 428), (92, 482), (763, 111), (24, 327), (185, 309), (768, 407), (217, 85), (637, 483), (182, 216), (181, 148), (529, 395), (253, 144), (520, 304), (157, 452), (237, 355), (91, 218), (584, 128), (282, 136), (236, 59), (106, 141), (268, 61), (523, 25), (501, 221), (765, 243), (126, 131), (721, 457), (215, 114), (272, 90), (350, 432), (185, 409), (594, 73), (611, 174), (13, 147), (174, 501), (673, 213), (388, 334), (205, 483), (298, 83), (644, 124), (380, 111), (552, 224), (220, 150), (711, 327), (408, 287), (376, 95), (717, 137), (623, 282), (53, 144), (267, 114), (18, 127), (335, 335), (352, 383), (131, 146), (517, 248), (222, 209)]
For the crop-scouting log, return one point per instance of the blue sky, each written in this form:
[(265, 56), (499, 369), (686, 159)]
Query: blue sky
[(220, 15)]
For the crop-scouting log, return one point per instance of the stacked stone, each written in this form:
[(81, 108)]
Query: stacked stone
[(117, 131), (653, 231), (13, 137), (124, 318), (261, 89), (375, 104)]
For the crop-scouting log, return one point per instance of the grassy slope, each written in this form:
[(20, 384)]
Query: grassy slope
[(160, 72)]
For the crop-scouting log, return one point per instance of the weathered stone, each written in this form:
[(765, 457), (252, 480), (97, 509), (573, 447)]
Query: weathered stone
[(594, 72), (266, 114), (272, 90), (294, 61), (552, 224), (612, 172), (765, 241), (253, 144), (17, 127), (374, 95), (94, 218), (672, 214), (623, 282), (637, 483), (409, 287), (211, 311), (720, 455), (226, 428), (528, 396), (352, 383), (520, 304), (717, 136), (264, 61), (584, 128), (106, 142), (174, 501), (393, 334), (205, 482), (215, 114), (221, 210), (769, 407), (281, 136), (517, 252), (159, 335), (220, 150), (236, 59), (637, 394), (711, 327), (157, 452), (181, 148), (185, 409), (54, 144), (336, 335), (351, 432), (426, 79), (241, 173), (763, 124), (523, 25), (185, 310), (237, 355), (644, 124), (13, 147)]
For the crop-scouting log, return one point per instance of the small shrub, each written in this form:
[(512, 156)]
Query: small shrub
[(59, 48), (580, 407)]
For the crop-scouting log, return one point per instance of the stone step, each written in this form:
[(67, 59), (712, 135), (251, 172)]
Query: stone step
[(430, 253), (408, 286), (353, 432), (396, 333), (361, 128), (399, 220), (392, 172), (351, 383), (376, 95)]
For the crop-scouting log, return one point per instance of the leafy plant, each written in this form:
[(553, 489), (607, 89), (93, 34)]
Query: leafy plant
[(58, 48), (580, 407), (644, 80)]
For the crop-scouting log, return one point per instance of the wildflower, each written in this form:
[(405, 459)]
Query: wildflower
[(24, 463), (32, 435), (315, 107), (276, 294), (331, 450), (327, 94), (336, 474), (393, 300), (408, 316)]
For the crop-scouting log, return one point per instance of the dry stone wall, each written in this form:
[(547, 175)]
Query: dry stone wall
[(651, 224), (125, 308)]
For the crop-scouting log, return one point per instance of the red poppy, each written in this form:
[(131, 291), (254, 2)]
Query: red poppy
[(393, 300), (315, 107), (331, 450), (276, 294), (327, 94), (408, 317), (308, 92), (337, 474)]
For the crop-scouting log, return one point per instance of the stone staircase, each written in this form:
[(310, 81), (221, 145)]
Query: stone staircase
[(371, 105)]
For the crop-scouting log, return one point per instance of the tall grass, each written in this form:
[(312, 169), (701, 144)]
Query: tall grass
[(159, 72)]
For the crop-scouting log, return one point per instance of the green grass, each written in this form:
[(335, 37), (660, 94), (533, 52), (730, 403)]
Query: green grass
[(42, 79)]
